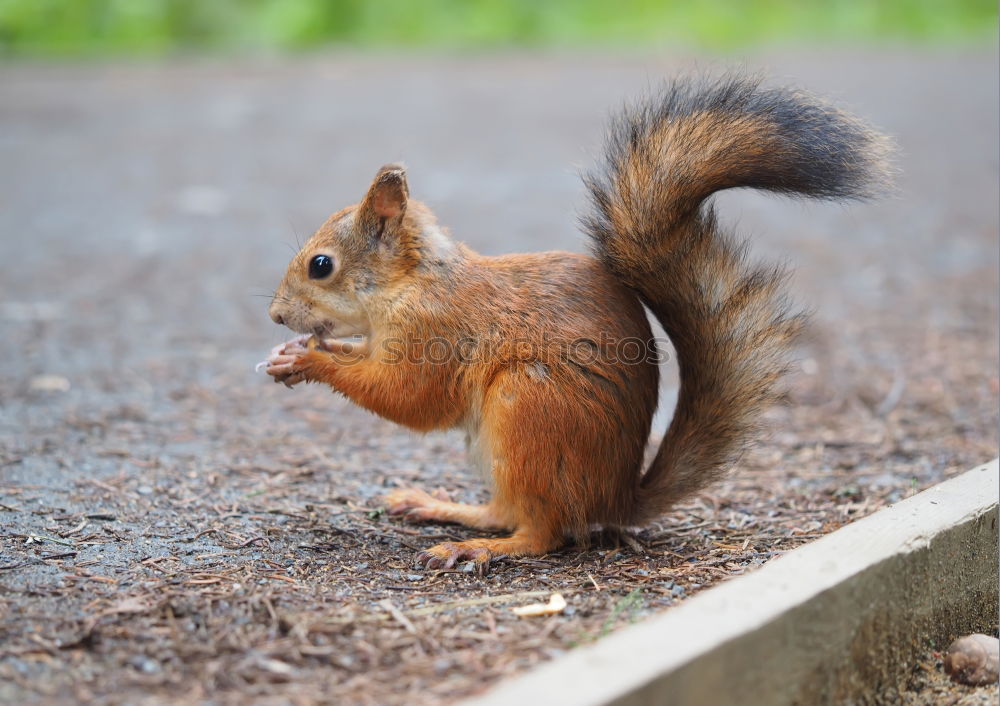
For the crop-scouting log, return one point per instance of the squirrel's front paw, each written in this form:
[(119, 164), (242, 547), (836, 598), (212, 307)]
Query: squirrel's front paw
[(285, 362)]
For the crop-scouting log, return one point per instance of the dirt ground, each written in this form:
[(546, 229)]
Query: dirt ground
[(174, 528)]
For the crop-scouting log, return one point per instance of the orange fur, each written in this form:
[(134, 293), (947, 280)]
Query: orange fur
[(548, 430)]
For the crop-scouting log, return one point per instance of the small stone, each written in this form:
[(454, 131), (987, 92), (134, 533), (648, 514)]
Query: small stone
[(677, 591), (144, 664), (974, 660), (49, 383), (344, 661)]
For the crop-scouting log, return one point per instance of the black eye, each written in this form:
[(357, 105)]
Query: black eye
[(320, 266)]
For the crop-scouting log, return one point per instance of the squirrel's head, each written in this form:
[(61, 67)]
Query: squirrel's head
[(348, 269)]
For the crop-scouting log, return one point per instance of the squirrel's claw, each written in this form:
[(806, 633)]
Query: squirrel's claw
[(283, 364), (285, 369)]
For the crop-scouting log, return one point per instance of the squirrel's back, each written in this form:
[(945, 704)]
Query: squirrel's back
[(729, 320)]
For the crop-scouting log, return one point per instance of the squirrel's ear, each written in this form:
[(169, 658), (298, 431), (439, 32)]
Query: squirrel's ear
[(385, 202)]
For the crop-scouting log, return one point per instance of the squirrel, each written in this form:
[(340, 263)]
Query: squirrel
[(533, 355)]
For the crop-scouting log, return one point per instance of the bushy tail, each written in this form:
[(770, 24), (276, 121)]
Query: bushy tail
[(729, 321)]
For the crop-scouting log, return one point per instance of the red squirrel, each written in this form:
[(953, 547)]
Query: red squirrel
[(533, 355)]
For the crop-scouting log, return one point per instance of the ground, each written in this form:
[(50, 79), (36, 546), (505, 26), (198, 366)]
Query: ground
[(175, 527)]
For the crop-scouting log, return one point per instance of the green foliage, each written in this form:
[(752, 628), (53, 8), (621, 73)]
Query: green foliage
[(74, 27)]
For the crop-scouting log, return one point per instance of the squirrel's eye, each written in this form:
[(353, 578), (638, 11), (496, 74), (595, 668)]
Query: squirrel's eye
[(320, 266)]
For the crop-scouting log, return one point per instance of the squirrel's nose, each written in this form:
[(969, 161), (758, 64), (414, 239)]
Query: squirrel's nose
[(276, 317)]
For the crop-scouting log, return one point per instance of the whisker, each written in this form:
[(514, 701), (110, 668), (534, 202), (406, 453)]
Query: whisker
[(295, 232)]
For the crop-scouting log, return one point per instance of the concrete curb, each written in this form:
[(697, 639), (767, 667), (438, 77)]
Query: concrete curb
[(835, 621)]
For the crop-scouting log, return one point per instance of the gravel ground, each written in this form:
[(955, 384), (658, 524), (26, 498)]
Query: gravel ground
[(175, 528)]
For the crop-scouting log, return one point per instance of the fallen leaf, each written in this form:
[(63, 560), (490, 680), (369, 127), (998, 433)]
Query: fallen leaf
[(555, 605), (49, 383)]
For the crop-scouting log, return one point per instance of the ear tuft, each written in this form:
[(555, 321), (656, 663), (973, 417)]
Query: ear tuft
[(389, 192)]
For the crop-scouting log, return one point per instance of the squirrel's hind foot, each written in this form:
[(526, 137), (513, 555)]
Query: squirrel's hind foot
[(419, 506), (483, 551), (447, 554)]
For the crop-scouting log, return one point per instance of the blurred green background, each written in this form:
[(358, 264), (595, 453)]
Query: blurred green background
[(100, 27)]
